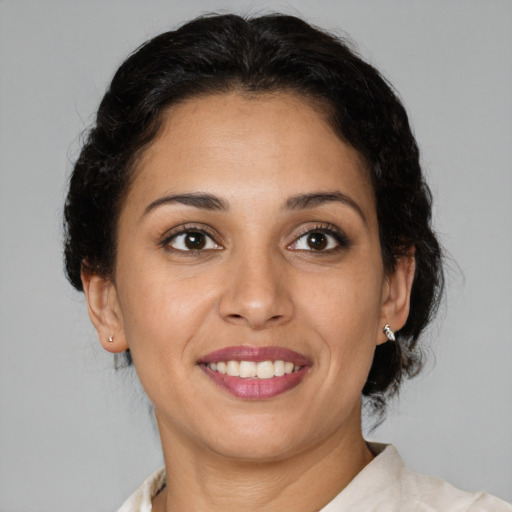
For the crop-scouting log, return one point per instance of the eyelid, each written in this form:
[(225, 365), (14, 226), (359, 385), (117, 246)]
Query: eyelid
[(328, 229), (189, 228)]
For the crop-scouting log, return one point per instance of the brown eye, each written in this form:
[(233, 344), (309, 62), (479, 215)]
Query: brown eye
[(317, 241), (190, 240), (194, 241), (321, 240)]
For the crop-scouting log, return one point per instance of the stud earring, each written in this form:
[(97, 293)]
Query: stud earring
[(111, 338), (390, 335)]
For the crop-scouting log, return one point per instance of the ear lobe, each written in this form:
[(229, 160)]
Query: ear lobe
[(397, 295), (104, 311)]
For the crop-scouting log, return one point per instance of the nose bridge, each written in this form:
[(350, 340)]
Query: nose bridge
[(256, 292)]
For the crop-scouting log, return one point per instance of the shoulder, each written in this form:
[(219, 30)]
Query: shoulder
[(386, 485), (427, 494), (140, 500)]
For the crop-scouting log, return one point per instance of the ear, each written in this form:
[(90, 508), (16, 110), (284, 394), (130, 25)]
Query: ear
[(396, 295), (104, 311)]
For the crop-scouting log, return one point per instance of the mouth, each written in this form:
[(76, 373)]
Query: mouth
[(255, 373)]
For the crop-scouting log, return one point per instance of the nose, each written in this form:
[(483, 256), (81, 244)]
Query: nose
[(256, 292)]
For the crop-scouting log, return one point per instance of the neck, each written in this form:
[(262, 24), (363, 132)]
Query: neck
[(305, 481)]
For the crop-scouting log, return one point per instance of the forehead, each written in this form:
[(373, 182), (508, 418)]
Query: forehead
[(268, 145)]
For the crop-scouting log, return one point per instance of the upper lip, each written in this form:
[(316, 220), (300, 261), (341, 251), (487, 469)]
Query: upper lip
[(256, 354)]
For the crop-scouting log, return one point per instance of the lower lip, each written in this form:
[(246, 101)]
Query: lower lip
[(256, 389)]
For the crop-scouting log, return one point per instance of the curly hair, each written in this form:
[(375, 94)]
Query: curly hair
[(223, 53)]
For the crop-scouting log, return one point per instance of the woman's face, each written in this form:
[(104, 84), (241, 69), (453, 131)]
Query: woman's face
[(250, 234)]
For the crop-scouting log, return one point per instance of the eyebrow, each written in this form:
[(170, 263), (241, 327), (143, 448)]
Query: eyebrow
[(299, 202), (305, 201), (203, 201)]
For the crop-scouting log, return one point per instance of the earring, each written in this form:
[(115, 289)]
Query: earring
[(111, 338), (390, 335)]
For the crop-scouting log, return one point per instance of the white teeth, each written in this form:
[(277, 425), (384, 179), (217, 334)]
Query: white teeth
[(278, 368), (233, 369), (251, 369), (265, 370), (247, 369)]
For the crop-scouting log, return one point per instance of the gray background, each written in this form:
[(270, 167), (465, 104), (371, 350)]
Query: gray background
[(74, 435)]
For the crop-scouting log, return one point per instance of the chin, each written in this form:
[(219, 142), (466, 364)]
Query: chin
[(262, 448), (260, 437)]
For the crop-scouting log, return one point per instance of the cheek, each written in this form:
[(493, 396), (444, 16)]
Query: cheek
[(345, 313), (345, 305), (160, 313), (161, 317)]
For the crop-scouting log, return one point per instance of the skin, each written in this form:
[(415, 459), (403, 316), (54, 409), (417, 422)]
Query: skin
[(257, 282)]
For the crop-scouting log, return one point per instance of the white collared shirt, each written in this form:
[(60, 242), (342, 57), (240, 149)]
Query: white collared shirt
[(384, 485)]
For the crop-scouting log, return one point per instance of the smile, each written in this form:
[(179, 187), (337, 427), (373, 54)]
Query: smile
[(255, 373), (251, 369)]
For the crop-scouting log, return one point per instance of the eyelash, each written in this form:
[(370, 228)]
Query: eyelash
[(340, 238), (183, 230), (329, 230)]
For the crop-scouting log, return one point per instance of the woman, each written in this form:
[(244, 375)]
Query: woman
[(251, 228)]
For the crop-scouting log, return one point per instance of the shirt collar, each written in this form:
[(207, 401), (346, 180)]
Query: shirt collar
[(380, 476)]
